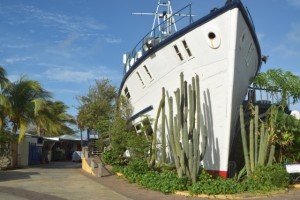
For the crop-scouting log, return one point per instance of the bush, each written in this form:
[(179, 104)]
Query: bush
[(208, 184), (166, 182), (263, 179), (133, 170), (137, 171), (111, 157), (138, 166), (266, 178)]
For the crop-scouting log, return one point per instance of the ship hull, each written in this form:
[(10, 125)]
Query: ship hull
[(223, 50)]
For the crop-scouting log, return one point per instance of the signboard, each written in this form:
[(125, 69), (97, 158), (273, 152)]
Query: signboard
[(293, 168)]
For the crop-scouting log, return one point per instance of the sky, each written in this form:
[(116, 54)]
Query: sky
[(68, 44)]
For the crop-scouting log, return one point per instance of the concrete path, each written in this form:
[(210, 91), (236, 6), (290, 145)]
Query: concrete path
[(55, 181), (66, 180)]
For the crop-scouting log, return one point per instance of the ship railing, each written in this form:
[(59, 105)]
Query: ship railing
[(264, 99), (262, 96), (162, 31)]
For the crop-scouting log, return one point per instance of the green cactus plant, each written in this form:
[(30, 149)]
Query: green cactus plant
[(163, 125), (244, 141), (260, 150), (153, 150), (183, 129)]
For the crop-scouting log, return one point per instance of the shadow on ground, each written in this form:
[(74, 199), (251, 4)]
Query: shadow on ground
[(15, 175), (27, 194)]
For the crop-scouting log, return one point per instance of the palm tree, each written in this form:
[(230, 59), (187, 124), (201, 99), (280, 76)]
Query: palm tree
[(3, 79), (52, 119), (25, 98), (3, 100)]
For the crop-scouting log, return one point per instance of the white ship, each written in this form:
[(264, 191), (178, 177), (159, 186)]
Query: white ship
[(221, 47)]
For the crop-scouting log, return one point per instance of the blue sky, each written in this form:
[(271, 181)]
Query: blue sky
[(67, 44)]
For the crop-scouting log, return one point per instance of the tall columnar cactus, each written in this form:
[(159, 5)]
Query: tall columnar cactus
[(260, 150), (183, 129), (153, 150), (244, 141), (256, 135), (163, 125)]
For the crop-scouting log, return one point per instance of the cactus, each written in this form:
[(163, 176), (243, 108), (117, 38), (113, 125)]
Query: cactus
[(256, 135), (261, 150), (187, 129), (244, 141), (271, 155), (251, 145), (183, 129), (163, 124), (261, 144), (154, 139)]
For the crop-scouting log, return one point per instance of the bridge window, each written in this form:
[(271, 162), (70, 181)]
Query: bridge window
[(146, 69), (140, 78), (178, 53), (187, 48), (127, 94)]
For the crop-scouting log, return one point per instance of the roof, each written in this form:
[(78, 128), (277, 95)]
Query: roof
[(64, 138)]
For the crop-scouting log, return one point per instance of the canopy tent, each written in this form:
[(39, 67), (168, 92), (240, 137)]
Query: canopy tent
[(62, 147), (64, 137)]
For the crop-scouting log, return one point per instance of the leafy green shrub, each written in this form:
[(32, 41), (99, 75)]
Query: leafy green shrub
[(263, 179), (208, 184), (133, 170), (166, 182), (137, 171), (266, 178), (138, 145), (111, 157), (138, 166)]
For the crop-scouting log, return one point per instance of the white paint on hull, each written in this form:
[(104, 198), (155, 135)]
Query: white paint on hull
[(225, 67)]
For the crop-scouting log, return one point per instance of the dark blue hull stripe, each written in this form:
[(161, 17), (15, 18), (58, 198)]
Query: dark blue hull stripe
[(141, 113)]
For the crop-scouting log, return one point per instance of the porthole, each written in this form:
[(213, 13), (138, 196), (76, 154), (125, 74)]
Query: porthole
[(212, 37)]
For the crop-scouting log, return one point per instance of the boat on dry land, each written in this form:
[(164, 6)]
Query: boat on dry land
[(221, 48)]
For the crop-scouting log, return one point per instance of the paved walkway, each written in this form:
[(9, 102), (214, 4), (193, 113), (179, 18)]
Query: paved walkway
[(66, 180), (56, 181)]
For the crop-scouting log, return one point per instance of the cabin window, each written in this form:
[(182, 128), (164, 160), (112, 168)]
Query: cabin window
[(178, 52), (146, 69), (127, 94), (144, 126), (138, 128), (187, 48), (140, 78), (147, 126)]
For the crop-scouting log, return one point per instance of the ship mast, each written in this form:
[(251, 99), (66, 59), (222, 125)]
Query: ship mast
[(162, 15)]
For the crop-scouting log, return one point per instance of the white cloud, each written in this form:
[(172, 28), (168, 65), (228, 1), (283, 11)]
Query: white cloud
[(70, 75), (294, 2), (20, 15), (67, 91), (13, 78), (112, 40), (13, 60), (15, 46), (61, 22), (66, 75)]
